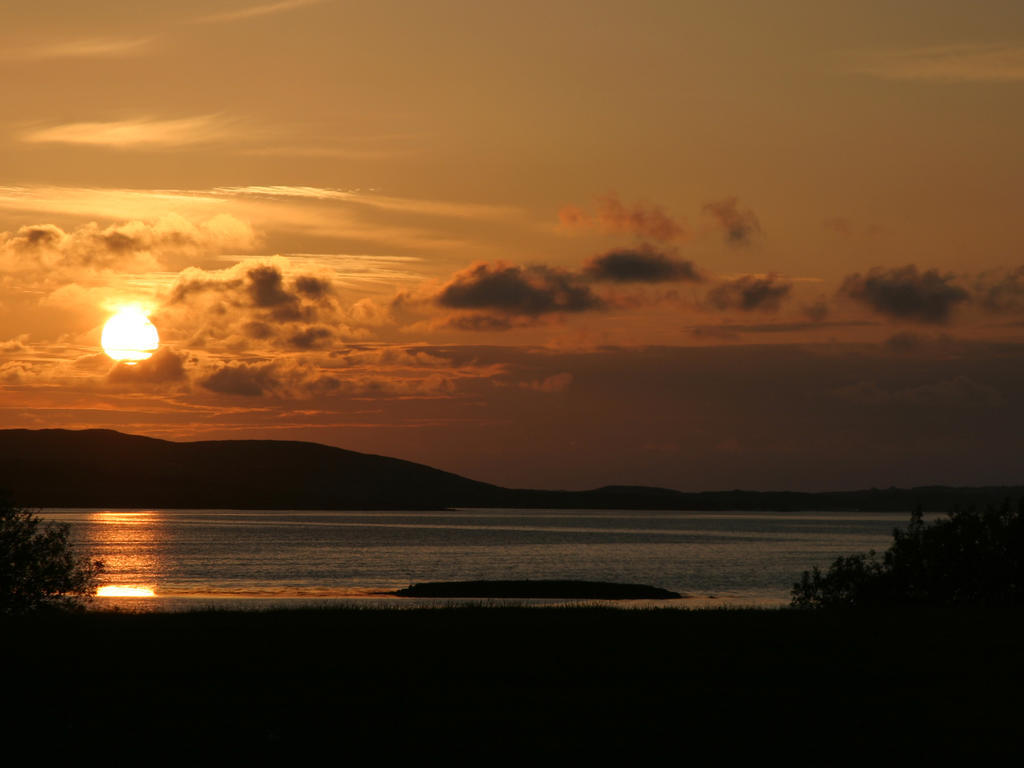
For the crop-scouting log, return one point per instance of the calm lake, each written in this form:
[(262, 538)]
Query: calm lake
[(255, 559)]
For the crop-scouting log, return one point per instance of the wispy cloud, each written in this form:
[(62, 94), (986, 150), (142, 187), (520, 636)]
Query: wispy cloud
[(613, 216), (254, 11), (268, 212), (360, 270), (141, 132), (89, 202), (86, 48), (373, 200), (946, 63)]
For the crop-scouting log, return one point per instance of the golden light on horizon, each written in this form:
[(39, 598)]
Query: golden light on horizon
[(116, 590), (129, 336)]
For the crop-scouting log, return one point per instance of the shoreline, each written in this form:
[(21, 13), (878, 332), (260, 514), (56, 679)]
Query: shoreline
[(391, 602)]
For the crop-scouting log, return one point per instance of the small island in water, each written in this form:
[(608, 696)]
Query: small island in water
[(554, 589)]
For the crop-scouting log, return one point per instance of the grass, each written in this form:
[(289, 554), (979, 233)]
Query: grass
[(471, 678)]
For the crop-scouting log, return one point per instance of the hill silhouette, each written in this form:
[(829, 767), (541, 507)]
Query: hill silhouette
[(104, 468), (98, 467)]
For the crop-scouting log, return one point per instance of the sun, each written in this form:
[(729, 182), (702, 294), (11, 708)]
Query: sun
[(129, 336)]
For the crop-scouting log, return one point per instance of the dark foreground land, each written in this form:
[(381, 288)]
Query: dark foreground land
[(480, 683)]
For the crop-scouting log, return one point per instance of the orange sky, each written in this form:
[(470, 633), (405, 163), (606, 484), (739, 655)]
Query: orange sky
[(560, 244)]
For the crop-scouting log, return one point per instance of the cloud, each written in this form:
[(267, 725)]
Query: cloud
[(251, 283), (266, 287), (14, 345), (739, 226), (244, 379), (132, 134), (964, 63), (53, 279), (750, 292), (255, 329), (642, 219), (259, 304), (34, 236), (573, 216), (816, 312), (113, 204), (275, 378), (559, 382), (165, 367), (528, 291), (373, 200), (374, 371), (310, 338), (904, 293), (255, 11), (639, 265), (85, 48), (1002, 293), (354, 220), (46, 253), (314, 287), (479, 322)]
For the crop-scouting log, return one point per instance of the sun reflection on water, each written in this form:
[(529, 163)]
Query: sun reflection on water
[(116, 590), (127, 545)]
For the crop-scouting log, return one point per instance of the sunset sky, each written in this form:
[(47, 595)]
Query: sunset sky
[(700, 245)]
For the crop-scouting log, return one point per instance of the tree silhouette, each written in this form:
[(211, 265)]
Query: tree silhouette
[(38, 565), (966, 558)]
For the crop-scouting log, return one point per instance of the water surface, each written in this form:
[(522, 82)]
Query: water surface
[(190, 558)]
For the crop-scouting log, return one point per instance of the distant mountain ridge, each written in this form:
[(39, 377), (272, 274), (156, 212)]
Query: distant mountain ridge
[(107, 469)]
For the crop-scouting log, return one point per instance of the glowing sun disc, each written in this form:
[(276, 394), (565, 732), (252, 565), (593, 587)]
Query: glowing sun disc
[(129, 336), (119, 591)]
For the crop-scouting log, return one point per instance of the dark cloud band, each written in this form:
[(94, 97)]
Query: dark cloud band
[(905, 293), (639, 265), (514, 290), (750, 292)]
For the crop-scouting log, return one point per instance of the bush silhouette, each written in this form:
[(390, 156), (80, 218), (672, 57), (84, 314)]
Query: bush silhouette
[(966, 558), (38, 565)]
